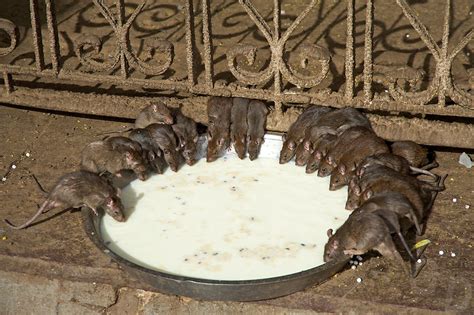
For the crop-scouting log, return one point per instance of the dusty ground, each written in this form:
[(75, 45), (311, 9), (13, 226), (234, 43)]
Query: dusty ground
[(58, 250), (52, 267)]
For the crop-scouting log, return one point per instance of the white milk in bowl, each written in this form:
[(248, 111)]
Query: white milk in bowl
[(230, 219)]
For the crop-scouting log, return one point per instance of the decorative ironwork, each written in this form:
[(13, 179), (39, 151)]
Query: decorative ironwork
[(124, 53), (277, 80)]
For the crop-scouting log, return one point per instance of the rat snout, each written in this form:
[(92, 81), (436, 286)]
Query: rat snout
[(211, 158), (190, 161)]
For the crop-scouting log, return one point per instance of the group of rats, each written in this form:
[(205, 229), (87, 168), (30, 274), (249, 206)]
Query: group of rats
[(384, 193), (162, 137)]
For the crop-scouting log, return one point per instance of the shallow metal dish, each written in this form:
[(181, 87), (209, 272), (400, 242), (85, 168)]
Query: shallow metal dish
[(247, 290), (203, 289)]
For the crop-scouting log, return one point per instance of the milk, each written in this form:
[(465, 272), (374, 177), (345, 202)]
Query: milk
[(230, 219)]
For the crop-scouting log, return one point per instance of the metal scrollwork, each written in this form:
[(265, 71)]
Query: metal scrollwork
[(277, 43), (442, 82), (12, 31), (123, 47)]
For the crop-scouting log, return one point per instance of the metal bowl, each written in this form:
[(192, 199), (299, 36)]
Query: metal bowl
[(204, 289)]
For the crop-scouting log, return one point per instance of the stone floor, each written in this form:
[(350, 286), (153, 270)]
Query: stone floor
[(52, 267)]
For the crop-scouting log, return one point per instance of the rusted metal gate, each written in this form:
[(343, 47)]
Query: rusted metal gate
[(437, 112)]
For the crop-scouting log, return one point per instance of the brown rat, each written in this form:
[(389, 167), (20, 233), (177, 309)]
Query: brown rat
[(256, 120), (395, 162), (333, 122), (156, 113), (414, 153), (239, 126), (419, 193), (151, 151), (218, 129), (185, 129), (321, 148), (367, 145), (361, 233), (122, 144), (164, 138), (77, 189), (98, 157), (296, 132), (346, 142), (396, 203)]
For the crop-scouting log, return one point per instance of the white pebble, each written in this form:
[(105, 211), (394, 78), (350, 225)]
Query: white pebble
[(359, 258), (13, 166), (455, 200), (419, 261), (467, 206), (353, 267), (453, 254), (4, 179), (441, 253), (407, 35), (359, 280), (360, 264), (356, 262), (28, 154), (351, 262)]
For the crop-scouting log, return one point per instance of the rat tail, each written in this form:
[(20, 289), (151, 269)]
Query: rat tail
[(47, 205)]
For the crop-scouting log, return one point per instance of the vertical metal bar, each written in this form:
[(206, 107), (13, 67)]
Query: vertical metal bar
[(7, 79), (443, 63), (53, 34), (120, 21), (350, 51), (277, 57), (368, 66), (190, 41), (36, 32), (207, 38)]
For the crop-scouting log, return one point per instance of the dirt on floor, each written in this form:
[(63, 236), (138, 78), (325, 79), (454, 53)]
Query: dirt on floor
[(54, 142)]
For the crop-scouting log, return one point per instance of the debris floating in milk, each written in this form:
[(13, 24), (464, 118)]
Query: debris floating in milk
[(221, 216)]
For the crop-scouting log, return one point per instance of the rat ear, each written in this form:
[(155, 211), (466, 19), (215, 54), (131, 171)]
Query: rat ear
[(368, 194), (291, 145), (128, 155), (329, 232), (357, 189), (220, 142), (307, 145), (329, 159), (195, 140), (342, 169), (335, 244), (118, 191), (283, 137)]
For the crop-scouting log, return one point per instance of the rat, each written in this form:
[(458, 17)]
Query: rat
[(156, 113), (324, 144), (185, 129), (361, 233), (256, 120), (239, 126), (296, 132), (367, 145), (396, 203), (98, 157), (218, 129), (333, 122), (164, 138), (420, 193), (346, 142), (122, 144), (77, 189), (414, 153), (151, 151), (395, 162)]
